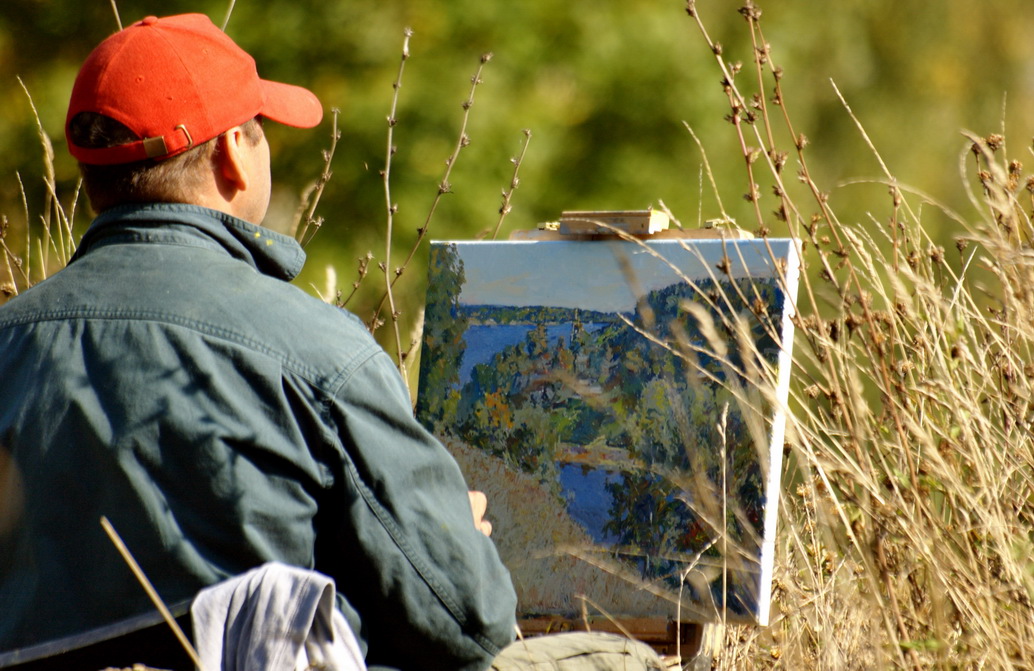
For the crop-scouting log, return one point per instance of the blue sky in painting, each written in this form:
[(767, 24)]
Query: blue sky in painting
[(589, 275)]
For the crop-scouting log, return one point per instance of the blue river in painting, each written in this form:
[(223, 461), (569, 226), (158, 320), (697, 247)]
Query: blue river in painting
[(482, 342), (588, 501)]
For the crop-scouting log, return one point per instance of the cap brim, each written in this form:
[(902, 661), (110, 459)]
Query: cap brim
[(290, 105)]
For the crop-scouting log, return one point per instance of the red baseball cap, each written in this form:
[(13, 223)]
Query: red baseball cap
[(177, 82)]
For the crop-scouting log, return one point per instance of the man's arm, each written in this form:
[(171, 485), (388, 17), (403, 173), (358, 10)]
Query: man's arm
[(426, 582)]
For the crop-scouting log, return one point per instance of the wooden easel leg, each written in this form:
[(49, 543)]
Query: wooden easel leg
[(700, 644)]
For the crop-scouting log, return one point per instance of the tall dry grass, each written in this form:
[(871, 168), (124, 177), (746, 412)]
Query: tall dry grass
[(907, 515), (26, 258)]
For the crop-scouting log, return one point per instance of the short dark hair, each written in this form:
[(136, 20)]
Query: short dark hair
[(172, 180)]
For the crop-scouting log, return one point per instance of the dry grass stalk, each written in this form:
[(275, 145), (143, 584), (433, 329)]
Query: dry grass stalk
[(391, 276), (50, 250)]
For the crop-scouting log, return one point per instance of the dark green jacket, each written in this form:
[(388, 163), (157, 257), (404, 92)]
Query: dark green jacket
[(172, 380)]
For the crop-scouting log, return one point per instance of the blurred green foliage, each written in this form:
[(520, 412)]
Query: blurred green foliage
[(604, 88)]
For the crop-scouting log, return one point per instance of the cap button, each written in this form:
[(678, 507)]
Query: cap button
[(149, 21)]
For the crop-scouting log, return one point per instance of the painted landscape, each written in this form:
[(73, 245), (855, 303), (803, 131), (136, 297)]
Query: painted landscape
[(617, 402)]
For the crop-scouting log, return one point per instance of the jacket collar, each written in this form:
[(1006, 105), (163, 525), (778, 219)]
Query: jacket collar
[(267, 251)]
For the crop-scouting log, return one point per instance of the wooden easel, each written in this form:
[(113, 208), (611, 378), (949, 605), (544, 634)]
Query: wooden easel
[(695, 642), (632, 224)]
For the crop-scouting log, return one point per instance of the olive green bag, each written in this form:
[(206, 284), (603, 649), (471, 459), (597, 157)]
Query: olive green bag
[(578, 651)]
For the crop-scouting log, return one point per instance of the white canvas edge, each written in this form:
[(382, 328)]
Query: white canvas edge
[(775, 448)]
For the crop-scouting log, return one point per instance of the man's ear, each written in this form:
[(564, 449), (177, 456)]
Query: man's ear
[(231, 164)]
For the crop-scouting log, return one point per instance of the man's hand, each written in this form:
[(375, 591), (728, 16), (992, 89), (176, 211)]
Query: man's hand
[(478, 505)]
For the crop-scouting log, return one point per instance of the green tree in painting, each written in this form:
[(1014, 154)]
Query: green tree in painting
[(445, 325)]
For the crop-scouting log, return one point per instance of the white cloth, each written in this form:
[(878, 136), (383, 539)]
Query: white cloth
[(272, 618)]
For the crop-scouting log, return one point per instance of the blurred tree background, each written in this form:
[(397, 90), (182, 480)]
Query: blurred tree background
[(604, 88)]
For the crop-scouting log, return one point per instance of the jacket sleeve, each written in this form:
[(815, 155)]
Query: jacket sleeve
[(429, 589)]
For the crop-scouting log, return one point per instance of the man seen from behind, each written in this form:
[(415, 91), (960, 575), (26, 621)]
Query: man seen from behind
[(172, 380)]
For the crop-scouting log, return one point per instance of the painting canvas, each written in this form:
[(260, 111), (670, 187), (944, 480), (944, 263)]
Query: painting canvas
[(622, 405)]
